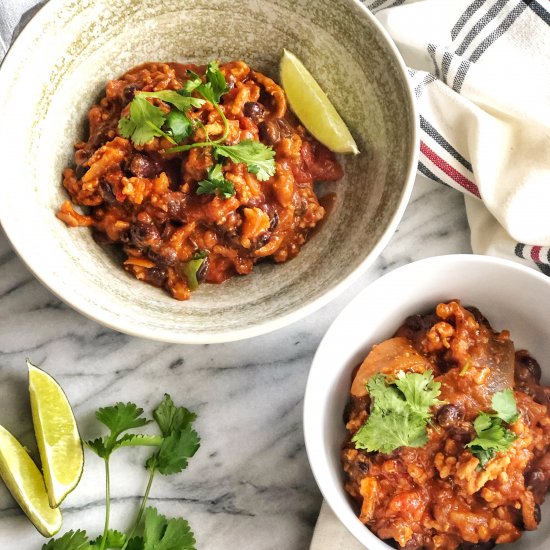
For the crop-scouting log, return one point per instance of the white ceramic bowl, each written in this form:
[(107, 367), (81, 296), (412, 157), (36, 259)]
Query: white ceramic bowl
[(59, 66), (511, 296)]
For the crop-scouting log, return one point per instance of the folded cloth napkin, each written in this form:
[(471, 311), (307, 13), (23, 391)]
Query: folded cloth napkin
[(481, 74)]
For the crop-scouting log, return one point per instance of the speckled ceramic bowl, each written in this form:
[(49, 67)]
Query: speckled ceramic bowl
[(59, 66)]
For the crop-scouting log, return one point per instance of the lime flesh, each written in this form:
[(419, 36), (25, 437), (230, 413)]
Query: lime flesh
[(25, 482), (312, 106), (57, 435)]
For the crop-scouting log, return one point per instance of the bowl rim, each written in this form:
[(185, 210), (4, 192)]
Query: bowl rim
[(96, 313), (310, 426)]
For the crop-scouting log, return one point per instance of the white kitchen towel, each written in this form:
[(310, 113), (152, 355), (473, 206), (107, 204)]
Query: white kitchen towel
[(481, 74)]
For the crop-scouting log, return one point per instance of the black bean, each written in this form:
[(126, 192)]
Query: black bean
[(124, 237), (478, 546), (415, 323), (176, 204), (269, 132), (254, 110), (168, 231), (536, 481), (418, 540), (156, 276), (537, 513), (202, 271), (463, 433), (82, 155), (129, 92), (166, 257), (420, 323), (103, 135), (285, 128), (527, 367), (80, 171), (274, 221), (143, 167), (100, 237), (478, 316), (144, 234), (107, 192), (449, 416), (263, 239)]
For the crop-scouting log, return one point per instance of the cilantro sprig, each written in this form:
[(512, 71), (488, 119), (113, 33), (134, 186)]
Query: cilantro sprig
[(258, 158), (216, 184), (400, 411), (174, 446), (492, 436), (146, 121)]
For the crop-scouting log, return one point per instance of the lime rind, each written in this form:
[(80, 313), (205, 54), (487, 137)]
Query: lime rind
[(59, 442), (25, 482), (313, 107)]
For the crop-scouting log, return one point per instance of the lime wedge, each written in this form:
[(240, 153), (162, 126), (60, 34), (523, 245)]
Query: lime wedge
[(312, 106), (25, 482), (57, 435)]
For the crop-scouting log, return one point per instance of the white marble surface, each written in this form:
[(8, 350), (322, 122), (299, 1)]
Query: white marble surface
[(249, 486)]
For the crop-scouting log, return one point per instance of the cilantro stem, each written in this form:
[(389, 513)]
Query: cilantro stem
[(143, 503), (107, 504), (143, 441), (157, 129), (189, 146)]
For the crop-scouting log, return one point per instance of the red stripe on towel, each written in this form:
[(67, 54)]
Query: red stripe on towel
[(445, 167), (535, 253)]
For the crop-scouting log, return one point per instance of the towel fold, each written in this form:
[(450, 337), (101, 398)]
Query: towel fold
[(481, 74)]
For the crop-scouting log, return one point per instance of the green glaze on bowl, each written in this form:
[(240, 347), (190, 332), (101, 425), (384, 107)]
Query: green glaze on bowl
[(59, 66)]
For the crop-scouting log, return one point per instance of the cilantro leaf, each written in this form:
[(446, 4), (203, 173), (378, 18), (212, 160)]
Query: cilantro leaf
[(71, 540), (175, 450), (161, 533), (259, 158), (190, 85), (420, 391), (504, 404), (98, 446), (386, 398), (216, 184), (183, 103), (144, 122), (212, 89), (121, 417), (385, 432), (114, 539), (399, 412), (483, 422), (216, 80), (491, 436), (171, 418), (135, 543), (179, 125), (118, 418)]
